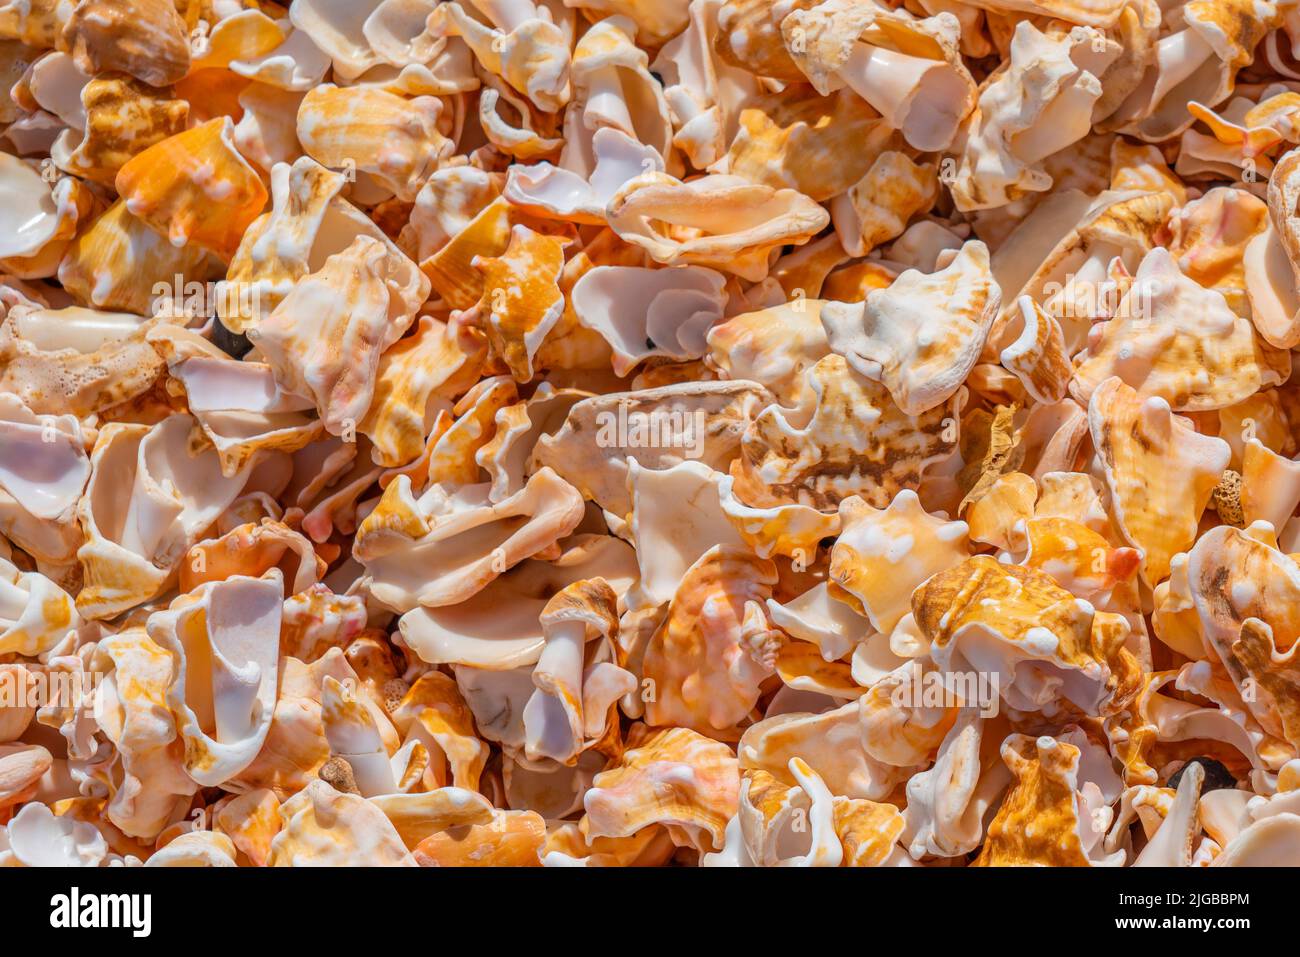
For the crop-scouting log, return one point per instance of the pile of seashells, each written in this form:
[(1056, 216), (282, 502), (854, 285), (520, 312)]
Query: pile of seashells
[(637, 432)]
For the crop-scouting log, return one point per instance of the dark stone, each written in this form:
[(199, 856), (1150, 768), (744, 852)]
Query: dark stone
[(1217, 777)]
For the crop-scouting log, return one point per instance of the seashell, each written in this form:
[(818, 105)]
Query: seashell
[(488, 235), (434, 713), (654, 23), (947, 804), (263, 418), (367, 130), (1268, 485), (507, 457), (37, 838), (41, 221), (513, 125), (61, 368), (1093, 13), (1166, 322), (123, 117), (800, 142), (38, 24), (150, 783), (148, 499), (356, 736), (119, 263), (1142, 447), (775, 346), (613, 89), (791, 530), (250, 821), (323, 827), (252, 550), (1036, 353), (674, 309), (525, 47), (867, 832), (821, 453), (225, 638), (452, 452), (511, 839), (35, 614), (1023, 116), (243, 35), (571, 709), (43, 463), (196, 849), (922, 335), (521, 299), (499, 628), (358, 37), (635, 793), (878, 207), (832, 745), (882, 555), (1075, 281), (705, 672), (307, 224), (144, 38), (591, 449), (789, 826), (295, 747), (749, 37), (1269, 260), (1041, 821), (648, 500), (295, 64), (737, 224), (1233, 218), (1249, 628), (173, 185), (983, 616), (909, 70), (267, 133), (1196, 61), (703, 91), (445, 546), (411, 379), (337, 363), (419, 816), (554, 192)]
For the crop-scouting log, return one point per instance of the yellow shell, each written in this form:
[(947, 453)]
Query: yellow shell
[(1160, 472), (817, 145), (1038, 823), (195, 188), (1019, 605), (365, 129), (412, 376), (123, 118), (521, 298), (881, 556), (119, 262)]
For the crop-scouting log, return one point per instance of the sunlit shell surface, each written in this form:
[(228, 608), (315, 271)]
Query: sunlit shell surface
[(586, 433)]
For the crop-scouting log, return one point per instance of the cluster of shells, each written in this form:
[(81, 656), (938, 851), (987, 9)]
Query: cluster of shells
[(632, 432)]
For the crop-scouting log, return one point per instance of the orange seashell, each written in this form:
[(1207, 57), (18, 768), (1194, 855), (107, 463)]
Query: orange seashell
[(195, 188)]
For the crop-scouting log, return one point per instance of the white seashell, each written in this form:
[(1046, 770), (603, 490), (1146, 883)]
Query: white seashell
[(650, 312)]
